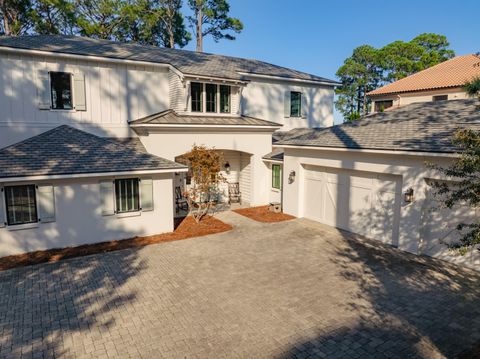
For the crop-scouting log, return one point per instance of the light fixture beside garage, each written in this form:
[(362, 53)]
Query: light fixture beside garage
[(227, 167), (291, 177), (408, 195)]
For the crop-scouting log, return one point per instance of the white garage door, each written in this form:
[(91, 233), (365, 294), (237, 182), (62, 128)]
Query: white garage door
[(361, 202)]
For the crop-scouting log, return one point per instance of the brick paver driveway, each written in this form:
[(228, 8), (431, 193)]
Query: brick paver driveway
[(292, 289)]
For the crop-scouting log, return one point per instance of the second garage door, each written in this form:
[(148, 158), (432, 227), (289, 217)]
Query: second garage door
[(361, 202)]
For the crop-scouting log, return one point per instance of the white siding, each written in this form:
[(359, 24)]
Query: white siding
[(177, 92), (245, 177), (79, 220), (115, 93), (265, 100)]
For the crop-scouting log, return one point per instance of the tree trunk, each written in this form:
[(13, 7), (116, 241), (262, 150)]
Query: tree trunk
[(199, 26), (364, 101)]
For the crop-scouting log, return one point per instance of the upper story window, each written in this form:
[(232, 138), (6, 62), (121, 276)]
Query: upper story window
[(197, 98), (211, 99), (295, 104), (21, 204), (381, 106), (224, 99), (217, 98), (61, 90)]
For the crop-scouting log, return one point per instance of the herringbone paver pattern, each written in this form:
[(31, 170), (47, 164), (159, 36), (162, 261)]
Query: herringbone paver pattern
[(292, 289)]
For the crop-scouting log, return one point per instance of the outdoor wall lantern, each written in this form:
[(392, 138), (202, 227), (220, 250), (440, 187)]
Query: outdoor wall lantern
[(408, 195), (291, 177), (227, 167)]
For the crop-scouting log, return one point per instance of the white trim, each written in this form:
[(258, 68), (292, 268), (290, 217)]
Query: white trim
[(91, 175), (272, 161), (216, 80), (90, 58), (287, 79), (181, 125), (394, 152), (19, 227)]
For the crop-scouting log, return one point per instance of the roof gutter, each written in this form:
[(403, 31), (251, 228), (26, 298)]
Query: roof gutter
[(357, 150), (280, 78), (89, 175), (89, 58), (168, 125)]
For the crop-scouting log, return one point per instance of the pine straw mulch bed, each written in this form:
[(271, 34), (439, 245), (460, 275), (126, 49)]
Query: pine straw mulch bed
[(262, 214), (186, 228)]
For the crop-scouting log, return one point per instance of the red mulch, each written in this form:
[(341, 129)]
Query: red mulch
[(187, 228), (262, 214)]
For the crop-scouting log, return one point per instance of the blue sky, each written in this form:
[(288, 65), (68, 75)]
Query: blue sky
[(315, 36)]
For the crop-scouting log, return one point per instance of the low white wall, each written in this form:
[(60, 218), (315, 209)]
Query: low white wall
[(79, 219), (257, 144), (414, 217)]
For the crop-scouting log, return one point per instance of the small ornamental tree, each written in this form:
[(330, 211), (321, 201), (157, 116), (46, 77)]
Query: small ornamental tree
[(205, 165), (465, 190)]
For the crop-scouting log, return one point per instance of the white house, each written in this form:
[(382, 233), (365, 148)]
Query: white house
[(373, 177), (90, 130)]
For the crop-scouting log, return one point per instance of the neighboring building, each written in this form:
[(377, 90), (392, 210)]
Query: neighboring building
[(438, 83), (90, 130), (361, 176)]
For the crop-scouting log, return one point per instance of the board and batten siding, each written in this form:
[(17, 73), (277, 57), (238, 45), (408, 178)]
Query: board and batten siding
[(266, 100), (114, 93), (245, 177)]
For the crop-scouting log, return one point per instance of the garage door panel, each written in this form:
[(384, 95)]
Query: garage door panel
[(314, 208), (360, 202)]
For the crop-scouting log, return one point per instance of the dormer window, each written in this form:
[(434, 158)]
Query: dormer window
[(211, 93), (217, 98), (225, 99), (197, 98)]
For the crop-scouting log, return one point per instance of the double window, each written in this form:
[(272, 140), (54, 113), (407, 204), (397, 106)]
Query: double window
[(21, 204), (61, 90), (217, 98), (276, 176), (127, 196)]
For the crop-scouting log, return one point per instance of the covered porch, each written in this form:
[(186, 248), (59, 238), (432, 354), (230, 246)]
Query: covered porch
[(233, 192)]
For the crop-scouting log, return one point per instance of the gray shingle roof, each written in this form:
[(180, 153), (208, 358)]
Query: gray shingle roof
[(65, 150), (275, 155), (424, 127), (188, 62), (170, 117)]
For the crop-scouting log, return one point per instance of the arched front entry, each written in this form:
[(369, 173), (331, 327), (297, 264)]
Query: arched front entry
[(236, 171)]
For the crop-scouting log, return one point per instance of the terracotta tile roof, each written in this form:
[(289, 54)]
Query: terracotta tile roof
[(451, 73)]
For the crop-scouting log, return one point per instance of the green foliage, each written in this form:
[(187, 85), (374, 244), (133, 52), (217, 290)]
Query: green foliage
[(211, 18), (465, 188), (15, 17), (369, 68), (473, 87), (204, 164), (53, 17)]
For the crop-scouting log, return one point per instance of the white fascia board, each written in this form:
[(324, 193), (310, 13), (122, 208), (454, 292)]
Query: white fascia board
[(287, 79), (90, 175), (270, 160), (88, 58), (193, 126), (390, 152), (213, 79)]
